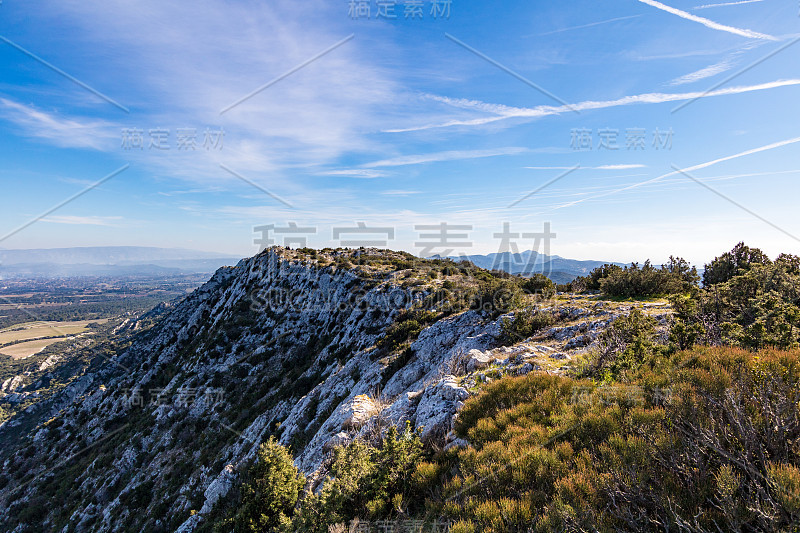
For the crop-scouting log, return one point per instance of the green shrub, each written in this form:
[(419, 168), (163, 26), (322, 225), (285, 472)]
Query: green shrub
[(497, 296), (406, 328), (758, 304), (525, 324), (539, 284), (734, 263), (633, 281), (271, 493), (626, 344), (364, 481)]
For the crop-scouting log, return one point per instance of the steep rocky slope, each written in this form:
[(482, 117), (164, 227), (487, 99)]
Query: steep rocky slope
[(291, 344)]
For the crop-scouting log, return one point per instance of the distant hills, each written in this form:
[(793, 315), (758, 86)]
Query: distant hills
[(557, 268), (109, 261)]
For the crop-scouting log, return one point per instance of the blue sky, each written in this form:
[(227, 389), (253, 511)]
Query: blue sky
[(403, 122)]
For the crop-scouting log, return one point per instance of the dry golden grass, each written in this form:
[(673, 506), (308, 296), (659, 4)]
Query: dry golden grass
[(26, 349), (36, 336)]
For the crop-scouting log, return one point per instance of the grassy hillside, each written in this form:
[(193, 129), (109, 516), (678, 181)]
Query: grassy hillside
[(697, 429), (702, 440)]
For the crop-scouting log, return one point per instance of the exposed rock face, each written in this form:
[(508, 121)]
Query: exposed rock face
[(358, 411), (218, 488), (277, 346), (437, 407), (11, 384)]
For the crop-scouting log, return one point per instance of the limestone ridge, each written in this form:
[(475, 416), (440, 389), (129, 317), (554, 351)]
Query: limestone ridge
[(286, 343)]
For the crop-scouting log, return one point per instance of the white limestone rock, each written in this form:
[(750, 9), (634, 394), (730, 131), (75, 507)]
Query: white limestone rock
[(218, 488), (359, 411), (437, 407), (478, 360)]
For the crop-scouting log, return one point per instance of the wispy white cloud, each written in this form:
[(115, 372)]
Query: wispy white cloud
[(694, 168), (506, 112), (83, 221), (717, 68), (450, 155), (638, 55), (309, 119), (362, 173), (591, 24), (707, 72), (618, 167), (709, 23), (706, 6), (60, 130), (601, 167)]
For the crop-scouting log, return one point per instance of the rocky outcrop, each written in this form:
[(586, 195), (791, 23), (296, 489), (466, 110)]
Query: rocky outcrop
[(436, 408), (477, 360), (282, 345), (276, 346), (359, 411)]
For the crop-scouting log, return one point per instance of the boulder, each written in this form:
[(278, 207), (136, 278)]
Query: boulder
[(437, 407), (578, 342), (456, 443), (527, 368), (340, 439), (477, 360)]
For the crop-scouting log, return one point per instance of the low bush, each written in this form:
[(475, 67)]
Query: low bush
[(540, 285), (704, 440), (756, 306), (524, 324), (269, 495), (633, 281), (365, 481), (627, 343)]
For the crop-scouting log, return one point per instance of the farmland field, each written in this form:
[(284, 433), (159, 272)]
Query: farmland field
[(26, 349), (24, 340)]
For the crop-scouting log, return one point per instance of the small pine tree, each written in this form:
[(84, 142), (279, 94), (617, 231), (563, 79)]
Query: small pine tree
[(270, 495)]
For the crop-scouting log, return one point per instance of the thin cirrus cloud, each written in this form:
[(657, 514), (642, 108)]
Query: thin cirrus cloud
[(400, 193), (601, 167), (61, 131), (507, 112), (361, 173), (709, 23), (717, 68), (694, 168), (725, 4), (450, 155), (707, 72), (590, 25)]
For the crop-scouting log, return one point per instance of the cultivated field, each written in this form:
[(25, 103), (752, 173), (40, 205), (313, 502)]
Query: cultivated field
[(24, 340)]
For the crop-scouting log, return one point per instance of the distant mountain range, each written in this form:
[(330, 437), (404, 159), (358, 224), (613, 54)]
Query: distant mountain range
[(149, 261), (557, 268), (109, 261)]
